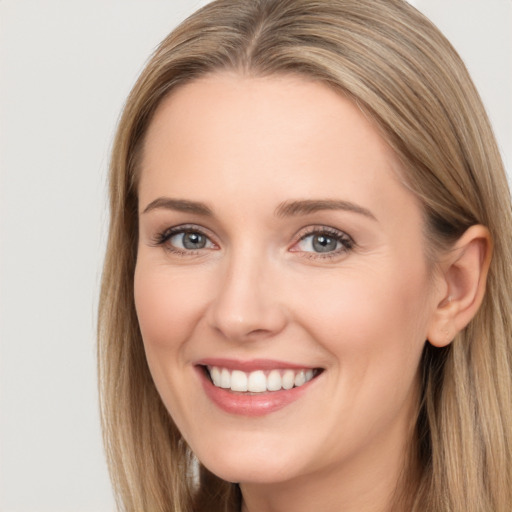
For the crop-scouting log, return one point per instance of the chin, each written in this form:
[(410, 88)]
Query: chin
[(249, 472), (234, 466)]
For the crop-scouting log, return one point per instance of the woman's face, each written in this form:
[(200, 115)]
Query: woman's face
[(280, 253)]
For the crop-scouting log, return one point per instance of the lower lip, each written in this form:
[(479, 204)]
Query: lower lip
[(251, 404)]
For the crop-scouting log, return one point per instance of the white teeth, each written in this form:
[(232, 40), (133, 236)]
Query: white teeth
[(215, 375), (225, 379), (238, 381), (259, 381), (288, 379), (274, 382), (300, 378)]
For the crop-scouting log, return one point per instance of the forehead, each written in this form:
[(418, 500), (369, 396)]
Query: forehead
[(263, 112), (227, 137)]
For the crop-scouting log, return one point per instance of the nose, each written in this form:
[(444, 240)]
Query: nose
[(247, 305)]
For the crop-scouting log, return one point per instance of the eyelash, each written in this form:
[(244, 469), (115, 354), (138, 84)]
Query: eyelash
[(162, 239), (347, 243)]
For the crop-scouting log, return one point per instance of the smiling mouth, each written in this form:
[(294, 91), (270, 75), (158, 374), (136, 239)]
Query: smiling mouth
[(260, 381)]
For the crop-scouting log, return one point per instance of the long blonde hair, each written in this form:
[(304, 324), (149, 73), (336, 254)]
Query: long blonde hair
[(407, 78)]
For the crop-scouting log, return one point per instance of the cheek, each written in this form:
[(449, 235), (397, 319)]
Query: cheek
[(370, 314), (167, 307)]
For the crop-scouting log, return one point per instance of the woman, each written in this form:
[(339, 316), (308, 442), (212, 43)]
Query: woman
[(305, 286)]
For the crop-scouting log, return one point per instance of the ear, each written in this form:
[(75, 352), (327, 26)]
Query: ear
[(463, 274)]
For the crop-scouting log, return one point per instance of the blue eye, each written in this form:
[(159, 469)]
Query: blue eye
[(189, 241), (325, 242), (184, 240)]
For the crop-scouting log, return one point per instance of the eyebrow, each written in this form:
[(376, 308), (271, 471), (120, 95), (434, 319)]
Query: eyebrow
[(307, 206), (285, 209), (180, 205)]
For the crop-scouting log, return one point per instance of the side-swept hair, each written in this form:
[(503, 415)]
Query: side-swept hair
[(406, 77)]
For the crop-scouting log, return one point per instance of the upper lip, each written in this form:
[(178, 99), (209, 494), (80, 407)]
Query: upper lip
[(252, 364)]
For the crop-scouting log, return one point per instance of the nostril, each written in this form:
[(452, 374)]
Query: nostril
[(258, 332)]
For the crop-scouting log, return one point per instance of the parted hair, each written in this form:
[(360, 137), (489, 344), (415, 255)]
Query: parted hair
[(406, 77)]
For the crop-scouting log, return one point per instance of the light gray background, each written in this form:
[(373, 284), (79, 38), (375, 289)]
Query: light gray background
[(65, 68)]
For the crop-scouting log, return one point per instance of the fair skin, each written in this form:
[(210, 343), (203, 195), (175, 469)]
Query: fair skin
[(275, 234)]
